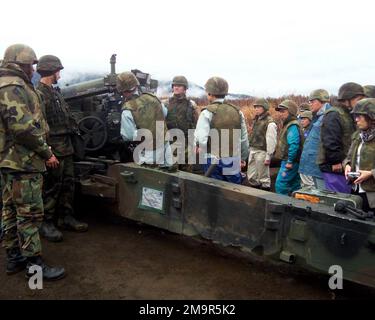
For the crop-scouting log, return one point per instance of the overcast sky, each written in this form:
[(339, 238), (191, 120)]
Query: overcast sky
[(263, 47)]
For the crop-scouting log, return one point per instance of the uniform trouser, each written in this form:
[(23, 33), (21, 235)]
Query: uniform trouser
[(22, 211), (288, 180), (258, 174), (58, 193)]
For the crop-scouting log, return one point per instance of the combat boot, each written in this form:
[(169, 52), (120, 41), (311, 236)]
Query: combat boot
[(16, 262), (71, 223), (50, 232), (49, 273)]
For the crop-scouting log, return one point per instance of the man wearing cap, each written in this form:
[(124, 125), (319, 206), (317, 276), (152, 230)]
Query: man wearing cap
[(182, 114), (59, 181), (24, 155), (262, 142), (289, 149), (221, 134), (336, 131), (143, 117), (308, 167)]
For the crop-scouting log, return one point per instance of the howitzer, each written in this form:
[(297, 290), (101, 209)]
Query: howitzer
[(96, 105), (278, 228)]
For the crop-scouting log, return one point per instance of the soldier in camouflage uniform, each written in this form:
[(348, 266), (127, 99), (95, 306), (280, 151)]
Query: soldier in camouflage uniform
[(361, 155), (289, 149), (262, 141), (144, 111), (23, 155), (59, 182), (336, 131), (225, 158), (182, 114)]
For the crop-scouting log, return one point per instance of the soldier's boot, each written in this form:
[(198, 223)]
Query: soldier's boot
[(50, 232), (71, 223), (16, 262), (49, 273)]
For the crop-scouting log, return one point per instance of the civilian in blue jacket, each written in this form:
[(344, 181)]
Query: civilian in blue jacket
[(308, 167)]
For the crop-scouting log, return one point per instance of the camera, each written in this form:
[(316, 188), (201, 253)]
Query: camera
[(353, 175)]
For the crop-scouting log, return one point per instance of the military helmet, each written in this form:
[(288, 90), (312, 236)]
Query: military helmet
[(304, 107), (289, 105), (369, 91), (126, 81), (350, 90), (216, 86), (319, 94), (180, 81), (365, 107), (306, 114), (20, 54), (49, 63), (261, 102)]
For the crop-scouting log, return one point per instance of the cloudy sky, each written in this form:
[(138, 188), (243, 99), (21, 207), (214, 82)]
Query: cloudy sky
[(266, 47)]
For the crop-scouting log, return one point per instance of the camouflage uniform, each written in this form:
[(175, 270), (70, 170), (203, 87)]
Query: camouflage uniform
[(182, 114), (59, 182), (23, 152)]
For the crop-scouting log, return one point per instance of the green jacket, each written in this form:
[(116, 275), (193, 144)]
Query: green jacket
[(282, 149), (181, 114), (257, 138), (58, 116), (23, 128)]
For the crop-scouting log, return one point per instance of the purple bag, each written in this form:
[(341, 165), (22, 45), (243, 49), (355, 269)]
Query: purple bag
[(336, 182)]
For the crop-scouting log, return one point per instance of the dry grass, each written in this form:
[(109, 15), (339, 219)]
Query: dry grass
[(247, 108)]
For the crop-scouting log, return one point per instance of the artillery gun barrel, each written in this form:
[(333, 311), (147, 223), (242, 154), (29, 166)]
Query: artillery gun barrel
[(85, 89)]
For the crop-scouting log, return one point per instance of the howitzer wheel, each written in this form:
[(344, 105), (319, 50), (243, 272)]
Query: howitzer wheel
[(93, 131)]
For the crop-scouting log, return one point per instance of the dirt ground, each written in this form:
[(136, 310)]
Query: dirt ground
[(125, 260)]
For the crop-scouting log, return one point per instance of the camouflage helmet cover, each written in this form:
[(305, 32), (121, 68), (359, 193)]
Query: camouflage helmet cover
[(365, 107), (180, 81), (306, 114), (261, 102), (49, 63), (350, 90), (21, 54), (126, 81), (289, 105), (369, 91), (319, 94), (216, 86), (304, 107)]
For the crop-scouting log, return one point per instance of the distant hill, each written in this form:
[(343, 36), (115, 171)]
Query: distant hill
[(196, 91)]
